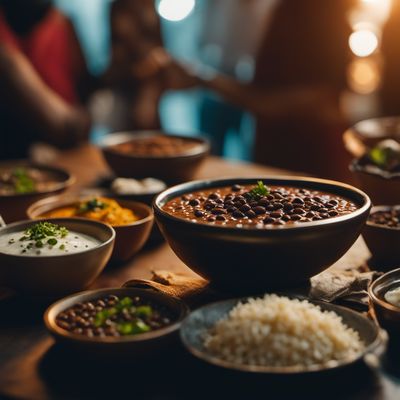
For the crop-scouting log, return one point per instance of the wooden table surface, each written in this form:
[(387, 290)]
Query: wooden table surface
[(33, 367)]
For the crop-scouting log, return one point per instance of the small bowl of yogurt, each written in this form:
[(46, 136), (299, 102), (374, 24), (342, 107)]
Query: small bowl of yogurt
[(53, 256), (384, 296)]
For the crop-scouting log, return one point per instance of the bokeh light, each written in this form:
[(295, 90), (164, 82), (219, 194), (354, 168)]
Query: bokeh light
[(175, 10), (364, 75), (363, 42)]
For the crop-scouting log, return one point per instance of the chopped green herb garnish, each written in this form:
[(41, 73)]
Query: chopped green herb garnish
[(39, 243), (23, 183), (62, 246), (259, 191), (144, 311), (52, 241), (92, 205)]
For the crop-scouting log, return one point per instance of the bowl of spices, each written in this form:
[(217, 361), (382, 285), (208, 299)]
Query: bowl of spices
[(53, 256), (382, 236), (116, 321), (131, 220), (259, 233), (384, 296)]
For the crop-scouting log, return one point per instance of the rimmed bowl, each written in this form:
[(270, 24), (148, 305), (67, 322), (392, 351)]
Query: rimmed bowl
[(387, 314), (196, 325), (13, 206), (169, 168), (129, 238), (143, 344), (57, 274), (253, 260), (383, 242), (383, 187)]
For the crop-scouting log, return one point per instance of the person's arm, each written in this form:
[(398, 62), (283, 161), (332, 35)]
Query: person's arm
[(26, 94)]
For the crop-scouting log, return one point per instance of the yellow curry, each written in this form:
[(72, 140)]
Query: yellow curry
[(98, 208)]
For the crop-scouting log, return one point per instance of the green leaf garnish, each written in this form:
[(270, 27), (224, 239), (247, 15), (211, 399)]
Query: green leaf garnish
[(43, 230), (92, 205), (52, 241), (23, 183), (144, 311), (259, 191)]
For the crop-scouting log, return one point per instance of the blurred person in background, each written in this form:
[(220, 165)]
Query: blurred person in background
[(390, 90), (300, 74)]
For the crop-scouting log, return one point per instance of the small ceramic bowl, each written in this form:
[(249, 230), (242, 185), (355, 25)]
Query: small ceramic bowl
[(169, 168), (57, 274), (195, 326), (387, 314), (129, 238), (143, 344), (13, 206), (383, 187), (383, 242)]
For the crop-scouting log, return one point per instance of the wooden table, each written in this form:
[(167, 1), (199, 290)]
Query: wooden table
[(33, 367)]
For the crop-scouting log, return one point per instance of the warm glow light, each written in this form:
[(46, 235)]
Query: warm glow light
[(175, 10), (364, 76), (363, 42)]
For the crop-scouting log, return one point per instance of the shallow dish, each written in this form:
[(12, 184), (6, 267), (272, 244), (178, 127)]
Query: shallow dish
[(13, 206), (387, 314), (61, 273), (168, 168), (199, 321), (134, 345), (129, 239), (252, 260), (383, 242)]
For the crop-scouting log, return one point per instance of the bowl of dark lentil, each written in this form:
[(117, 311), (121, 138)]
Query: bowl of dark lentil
[(116, 321), (243, 238), (382, 236)]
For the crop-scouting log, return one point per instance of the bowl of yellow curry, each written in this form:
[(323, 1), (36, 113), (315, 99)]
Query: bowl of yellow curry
[(131, 220)]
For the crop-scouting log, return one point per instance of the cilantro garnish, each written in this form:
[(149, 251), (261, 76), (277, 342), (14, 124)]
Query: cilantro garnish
[(259, 190)]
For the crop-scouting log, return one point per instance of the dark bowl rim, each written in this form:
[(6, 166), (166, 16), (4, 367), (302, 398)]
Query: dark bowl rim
[(95, 293), (86, 221), (202, 147), (355, 166), (378, 300), (378, 208), (184, 188), (69, 181), (380, 339), (74, 198)]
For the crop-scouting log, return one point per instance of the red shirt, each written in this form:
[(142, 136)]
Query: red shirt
[(49, 48)]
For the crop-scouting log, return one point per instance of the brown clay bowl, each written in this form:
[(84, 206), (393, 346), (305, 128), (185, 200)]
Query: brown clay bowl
[(383, 242), (129, 239), (57, 274), (171, 169), (13, 207), (383, 187), (144, 344), (253, 260), (387, 314)]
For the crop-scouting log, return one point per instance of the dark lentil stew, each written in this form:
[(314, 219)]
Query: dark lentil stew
[(258, 206), (113, 316), (390, 218), (156, 146)]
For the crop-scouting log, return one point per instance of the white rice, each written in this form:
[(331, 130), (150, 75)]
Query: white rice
[(277, 331)]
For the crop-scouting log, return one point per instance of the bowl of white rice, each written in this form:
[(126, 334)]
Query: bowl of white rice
[(278, 334)]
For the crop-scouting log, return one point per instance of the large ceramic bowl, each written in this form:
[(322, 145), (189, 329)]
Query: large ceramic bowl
[(129, 238), (168, 168), (383, 242), (257, 259), (383, 187), (58, 274), (143, 344), (13, 206), (388, 315), (196, 325)]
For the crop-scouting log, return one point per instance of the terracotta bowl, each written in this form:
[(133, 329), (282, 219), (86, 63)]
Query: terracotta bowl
[(129, 238), (254, 260), (383, 187), (144, 344), (13, 207), (383, 242), (58, 274), (170, 169), (387, 314)]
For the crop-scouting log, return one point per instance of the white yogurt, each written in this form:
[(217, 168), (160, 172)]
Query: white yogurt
[(73, 242), (393, 297)]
